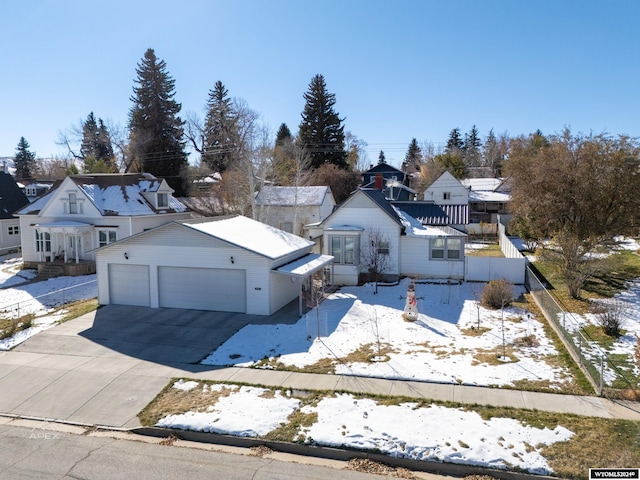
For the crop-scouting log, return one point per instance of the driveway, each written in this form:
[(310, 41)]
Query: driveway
[(102, 368)]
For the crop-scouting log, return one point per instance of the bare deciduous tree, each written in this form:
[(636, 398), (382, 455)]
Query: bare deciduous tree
[(375, 254)]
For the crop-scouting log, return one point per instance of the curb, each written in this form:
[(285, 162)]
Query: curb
[(333, 453)]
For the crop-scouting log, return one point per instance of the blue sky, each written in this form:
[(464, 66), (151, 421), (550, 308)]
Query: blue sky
[(399, 69)]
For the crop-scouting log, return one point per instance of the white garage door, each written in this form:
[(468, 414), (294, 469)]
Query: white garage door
[(129, 284), (215, 289)]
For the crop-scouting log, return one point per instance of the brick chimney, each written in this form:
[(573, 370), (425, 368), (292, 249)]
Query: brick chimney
[(379, 181)]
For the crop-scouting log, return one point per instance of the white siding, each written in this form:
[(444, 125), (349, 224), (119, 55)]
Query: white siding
[(459, 195), (175, 245), (284, 289), (414, 261), (6, 240), (363, 213)]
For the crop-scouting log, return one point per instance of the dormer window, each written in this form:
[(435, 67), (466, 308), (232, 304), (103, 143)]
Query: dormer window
[(163, 200), (73, 203)]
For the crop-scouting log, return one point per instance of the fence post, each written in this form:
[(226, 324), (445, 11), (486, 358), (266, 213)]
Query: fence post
[(580, 347), (601, 374)]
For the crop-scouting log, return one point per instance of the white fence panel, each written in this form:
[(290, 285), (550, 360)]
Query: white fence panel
[(485, 269)]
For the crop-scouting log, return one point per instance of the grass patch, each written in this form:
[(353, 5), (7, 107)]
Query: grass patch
[(494, 355), (474, 331), (490, 250), (595, 333), (173, 401), (618, 269)]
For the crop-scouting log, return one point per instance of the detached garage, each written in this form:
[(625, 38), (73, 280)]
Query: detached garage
[(230, 264)]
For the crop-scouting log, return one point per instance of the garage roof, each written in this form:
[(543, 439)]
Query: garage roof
[(250, 234), (306, 265)]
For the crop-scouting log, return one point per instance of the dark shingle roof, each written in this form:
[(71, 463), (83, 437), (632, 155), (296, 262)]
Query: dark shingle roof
[(12, 198)]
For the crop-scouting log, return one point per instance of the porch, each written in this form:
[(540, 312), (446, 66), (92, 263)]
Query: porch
[(60, 268)]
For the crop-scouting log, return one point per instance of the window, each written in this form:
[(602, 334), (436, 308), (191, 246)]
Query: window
[(73, 203), (383, 248), (446, 196), (31, 191), (437, 248), (43, 241), (163, 200), (14, 230), (105, 237), (344, 249), (446, 249)]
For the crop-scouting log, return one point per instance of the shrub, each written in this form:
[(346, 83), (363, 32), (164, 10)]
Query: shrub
[(497, 294), (610, 318)]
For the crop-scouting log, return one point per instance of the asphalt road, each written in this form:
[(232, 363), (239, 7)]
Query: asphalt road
[(42, 450)]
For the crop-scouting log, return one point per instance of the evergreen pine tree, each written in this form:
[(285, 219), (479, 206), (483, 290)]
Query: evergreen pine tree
[(471, 148), (24, 160), (96, 149), (283, 136), (381, 158), (413, 158), (492, 155), (454, 143), (221, 132), (321, 131), (156, 130)]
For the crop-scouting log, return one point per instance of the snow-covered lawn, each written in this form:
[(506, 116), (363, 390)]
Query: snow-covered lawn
[(407, 430), (365, 334), (39, 298)]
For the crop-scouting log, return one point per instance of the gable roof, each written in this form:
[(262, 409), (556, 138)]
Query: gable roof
[(12, 198), (251, 235), (114, 194), (384, 168), (291, 196), (379, 199)]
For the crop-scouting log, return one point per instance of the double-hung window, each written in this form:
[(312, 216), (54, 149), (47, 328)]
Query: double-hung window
[(43, 241), (73, 203), (446, 249), (344, 249), (105, 237)]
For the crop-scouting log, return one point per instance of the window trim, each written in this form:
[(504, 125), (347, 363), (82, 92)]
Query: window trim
[(343, 250), (443, 252), (107, 232)]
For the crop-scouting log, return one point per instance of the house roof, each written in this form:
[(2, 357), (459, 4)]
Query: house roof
[(12, 197), (378, 197), (251, 235), (290, 196), (488, 196), (431, 214), (414, 228), (384, 168), (114, 194), (484, 184)]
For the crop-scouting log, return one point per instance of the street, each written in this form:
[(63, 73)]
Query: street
[(43, 450)]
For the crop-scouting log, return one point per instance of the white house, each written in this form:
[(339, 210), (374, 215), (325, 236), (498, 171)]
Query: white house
[(488, 199), (291, 208), (367, 218), (84, 212), (231, 264)]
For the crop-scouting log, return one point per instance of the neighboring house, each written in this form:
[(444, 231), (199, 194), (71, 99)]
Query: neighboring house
[(291, 208), (450, 196), (412, 248), (488, 199), (12, 198), (393, 182), (84, 212), (231, 264), (35, 189)]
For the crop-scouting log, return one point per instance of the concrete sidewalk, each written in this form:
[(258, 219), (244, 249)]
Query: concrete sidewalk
[(82, 372)]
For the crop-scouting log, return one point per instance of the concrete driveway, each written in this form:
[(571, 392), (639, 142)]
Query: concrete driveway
[(104, 367)]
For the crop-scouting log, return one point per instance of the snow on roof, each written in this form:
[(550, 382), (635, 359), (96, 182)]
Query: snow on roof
[(289, 196), (255, 236), (488, 196), (414, 228), (485, 184), (308, 264), (115, 194)]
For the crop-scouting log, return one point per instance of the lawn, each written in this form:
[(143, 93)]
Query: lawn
[(503, 438)]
